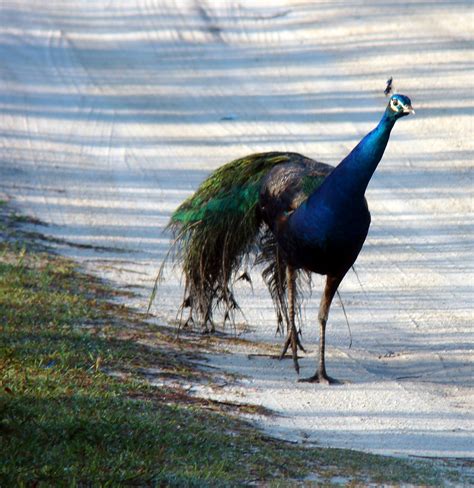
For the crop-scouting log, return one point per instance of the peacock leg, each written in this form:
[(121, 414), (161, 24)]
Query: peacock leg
[(292, 336), (332, 282)]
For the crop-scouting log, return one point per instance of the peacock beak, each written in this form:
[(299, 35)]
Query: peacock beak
[(408, 109)]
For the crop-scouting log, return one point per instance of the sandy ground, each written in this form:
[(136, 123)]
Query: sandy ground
[(112, 112)]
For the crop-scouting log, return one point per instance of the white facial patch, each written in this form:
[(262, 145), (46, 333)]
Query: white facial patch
[(395, 104)]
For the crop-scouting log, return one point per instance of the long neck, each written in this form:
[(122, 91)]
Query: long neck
[(346, 185), (354, 172), (363, 160)]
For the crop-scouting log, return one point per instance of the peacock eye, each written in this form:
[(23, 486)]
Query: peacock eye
[(395, 102)]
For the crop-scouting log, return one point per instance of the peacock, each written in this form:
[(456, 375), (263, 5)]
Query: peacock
[(291, 214)]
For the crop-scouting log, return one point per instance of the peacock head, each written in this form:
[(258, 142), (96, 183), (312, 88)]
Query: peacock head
[(399, 106)]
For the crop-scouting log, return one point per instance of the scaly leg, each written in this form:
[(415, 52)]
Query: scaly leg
[(332, 282), (292, 336)]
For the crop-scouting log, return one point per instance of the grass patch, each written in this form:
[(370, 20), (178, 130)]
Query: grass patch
[(66, 420)]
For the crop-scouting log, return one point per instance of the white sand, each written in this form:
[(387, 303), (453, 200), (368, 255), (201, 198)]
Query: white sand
[(114, 111)]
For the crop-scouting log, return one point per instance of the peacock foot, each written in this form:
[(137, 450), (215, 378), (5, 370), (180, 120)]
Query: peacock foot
[(293, 340), (321, 378)]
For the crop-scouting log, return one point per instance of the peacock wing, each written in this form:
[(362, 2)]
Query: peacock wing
[(288, 185), (234, 187)]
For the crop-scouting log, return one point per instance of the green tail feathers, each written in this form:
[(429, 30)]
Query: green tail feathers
[(216, 228)]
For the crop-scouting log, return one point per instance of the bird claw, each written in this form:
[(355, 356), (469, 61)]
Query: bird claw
[(321, 378), (293, 339)]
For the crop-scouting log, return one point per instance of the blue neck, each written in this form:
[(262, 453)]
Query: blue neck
[(350, 178)]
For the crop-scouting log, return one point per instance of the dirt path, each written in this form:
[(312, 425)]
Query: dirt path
[(113, 112)]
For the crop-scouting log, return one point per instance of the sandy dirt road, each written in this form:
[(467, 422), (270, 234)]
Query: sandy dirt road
[(112, 112)]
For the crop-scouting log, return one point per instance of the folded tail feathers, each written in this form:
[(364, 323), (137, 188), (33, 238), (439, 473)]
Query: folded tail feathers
[(218, 228)]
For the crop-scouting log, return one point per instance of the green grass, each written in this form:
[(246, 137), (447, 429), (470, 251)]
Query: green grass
[(65, 420)]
